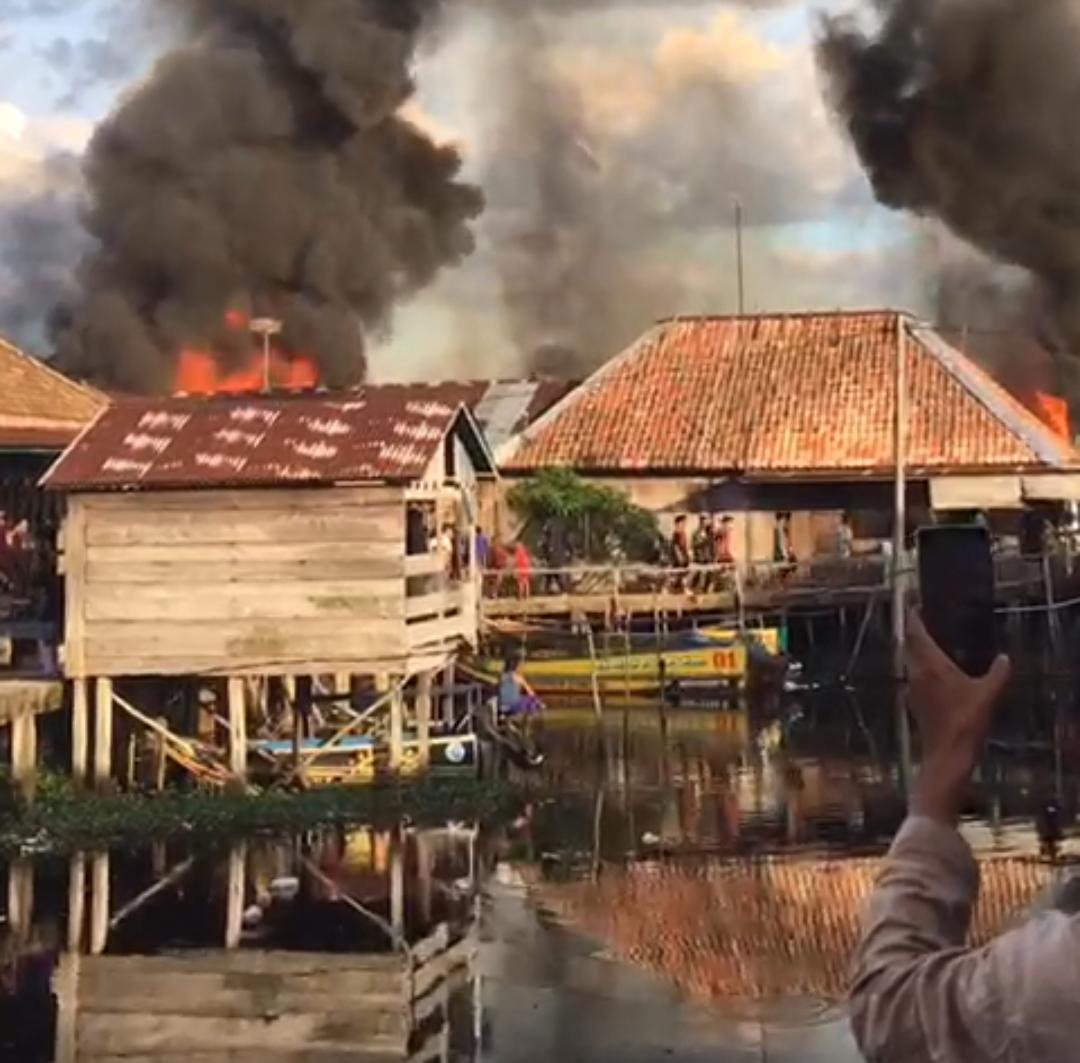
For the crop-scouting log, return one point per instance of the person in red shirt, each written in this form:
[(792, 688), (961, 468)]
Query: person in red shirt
[(499, 563), (522, 569), (722, 547)]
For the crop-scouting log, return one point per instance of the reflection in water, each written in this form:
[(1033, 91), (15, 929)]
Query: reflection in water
[(687, 897)]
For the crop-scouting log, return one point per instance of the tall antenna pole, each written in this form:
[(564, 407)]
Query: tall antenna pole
[(739, 257), (266, 327), (899, 558)]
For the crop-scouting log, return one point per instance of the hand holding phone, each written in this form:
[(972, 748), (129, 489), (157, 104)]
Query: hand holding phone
[(956, 583)]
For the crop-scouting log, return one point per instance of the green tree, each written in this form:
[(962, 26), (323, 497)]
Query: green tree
[(597, 521)]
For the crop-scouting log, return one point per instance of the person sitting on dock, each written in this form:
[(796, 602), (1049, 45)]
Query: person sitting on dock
[(920, 992), (516, 697)]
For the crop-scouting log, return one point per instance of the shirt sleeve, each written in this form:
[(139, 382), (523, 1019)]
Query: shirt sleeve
[(920, 995)]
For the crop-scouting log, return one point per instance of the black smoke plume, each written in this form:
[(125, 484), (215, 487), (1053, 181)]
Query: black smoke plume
[(264, 166), (961, 110)]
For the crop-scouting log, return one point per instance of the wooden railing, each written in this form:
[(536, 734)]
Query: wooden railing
[(868, 572)]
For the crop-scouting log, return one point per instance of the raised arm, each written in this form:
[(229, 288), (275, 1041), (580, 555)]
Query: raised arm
[(919, 993)]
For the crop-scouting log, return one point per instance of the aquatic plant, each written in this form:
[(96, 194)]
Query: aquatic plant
[(63, 819)]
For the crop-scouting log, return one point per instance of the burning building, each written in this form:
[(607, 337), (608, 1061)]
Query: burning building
[(758, 414), (956, 111), (264, 169)]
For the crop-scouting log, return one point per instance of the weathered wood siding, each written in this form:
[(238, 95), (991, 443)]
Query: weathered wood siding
[(278, 582), (242, 1006)]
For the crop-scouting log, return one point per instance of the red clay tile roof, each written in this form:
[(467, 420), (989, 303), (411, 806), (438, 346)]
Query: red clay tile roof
[(757, 929), (39, 407), (794, 393), (391, 433)]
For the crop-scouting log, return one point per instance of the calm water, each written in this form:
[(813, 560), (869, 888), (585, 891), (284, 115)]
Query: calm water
[(641, 907)]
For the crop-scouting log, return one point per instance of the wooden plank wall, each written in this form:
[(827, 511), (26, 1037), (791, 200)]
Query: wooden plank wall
[(286, 582)]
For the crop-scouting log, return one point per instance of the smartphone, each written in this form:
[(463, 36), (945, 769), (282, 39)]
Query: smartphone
[(956, 584)]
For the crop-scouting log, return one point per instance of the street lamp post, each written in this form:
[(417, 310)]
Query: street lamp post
[(266, 327)]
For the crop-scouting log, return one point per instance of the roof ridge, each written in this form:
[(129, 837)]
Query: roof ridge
[(43, 366), (759, 315), (506, 451), (999, 402)]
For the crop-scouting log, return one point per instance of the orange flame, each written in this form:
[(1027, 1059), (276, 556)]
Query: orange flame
[(198, 373), (1053, 411)]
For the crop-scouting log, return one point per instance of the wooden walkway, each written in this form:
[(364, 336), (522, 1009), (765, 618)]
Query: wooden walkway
[(828, 582)]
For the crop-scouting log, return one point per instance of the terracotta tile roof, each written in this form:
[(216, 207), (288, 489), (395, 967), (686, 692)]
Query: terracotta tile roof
[(757, 929), (391, 433), (41, 408), (779, 394)]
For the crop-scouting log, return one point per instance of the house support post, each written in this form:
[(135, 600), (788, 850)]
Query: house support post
[(237, 729), (80, 731), (103, 733), (423, 716)]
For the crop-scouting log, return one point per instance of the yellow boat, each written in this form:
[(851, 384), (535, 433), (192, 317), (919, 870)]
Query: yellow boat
[(707, 656)]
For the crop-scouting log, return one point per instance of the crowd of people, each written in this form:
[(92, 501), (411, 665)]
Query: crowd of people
[(709, 546), (507, 567), (27, 568), (30, 592)]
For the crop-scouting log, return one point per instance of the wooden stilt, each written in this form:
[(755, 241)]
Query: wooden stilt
[(160, 756), (397, 728), (160, 886), (76, 902), (66, 983), (80, 731), (423, 716), (103, 733), (594, 674), (234, 913), (21, 898), (237, 728), (424, 864), (99, 903), (397, 886), (24, 753), (449, 679)]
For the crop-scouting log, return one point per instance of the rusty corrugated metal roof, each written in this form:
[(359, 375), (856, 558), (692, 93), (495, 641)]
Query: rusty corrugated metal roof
[(41, 408), (502, 407), (778, 394), (392, 432)]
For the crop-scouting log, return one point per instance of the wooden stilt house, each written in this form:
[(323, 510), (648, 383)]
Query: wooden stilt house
[(268, 536)]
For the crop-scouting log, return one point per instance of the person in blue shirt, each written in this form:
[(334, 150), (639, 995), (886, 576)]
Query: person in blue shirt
[(483, 550), (516, 697)]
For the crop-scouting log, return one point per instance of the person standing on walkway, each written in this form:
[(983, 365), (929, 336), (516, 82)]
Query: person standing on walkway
[(522, 569), (701, 547), (680, 553), (845, 537), (920, 992)]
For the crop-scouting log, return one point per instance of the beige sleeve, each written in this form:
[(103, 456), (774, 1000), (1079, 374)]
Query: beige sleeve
[(920, 994)]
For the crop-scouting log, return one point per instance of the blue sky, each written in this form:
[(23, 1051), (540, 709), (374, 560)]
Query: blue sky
[(837, 248)]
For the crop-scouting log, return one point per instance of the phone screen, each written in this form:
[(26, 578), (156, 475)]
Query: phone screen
[(956, 583)]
